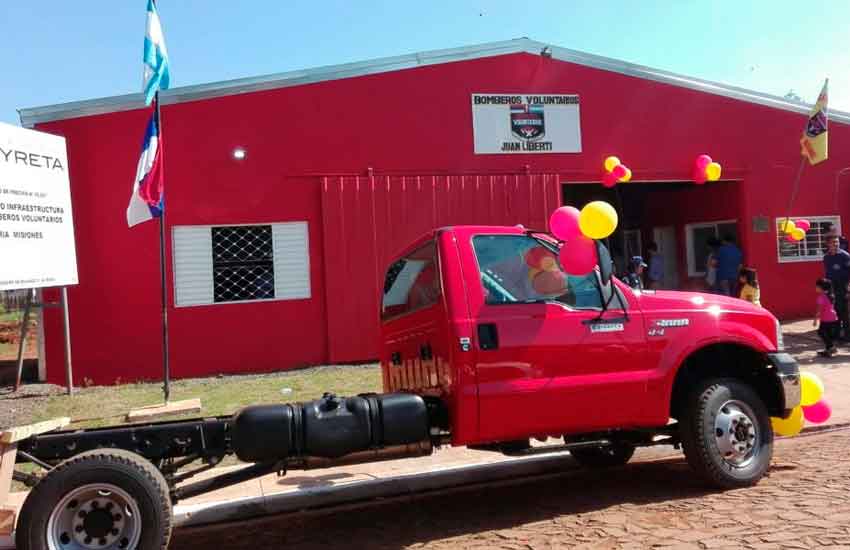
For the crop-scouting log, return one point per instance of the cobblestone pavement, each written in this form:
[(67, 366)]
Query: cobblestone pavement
[(803, 503)]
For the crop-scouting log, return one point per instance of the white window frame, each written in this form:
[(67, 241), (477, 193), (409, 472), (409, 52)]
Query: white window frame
[(689, 243), (306, 293), (835, 220)]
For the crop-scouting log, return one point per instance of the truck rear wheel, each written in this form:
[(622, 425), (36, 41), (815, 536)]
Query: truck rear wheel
[(726, 433), (103, 499), (604, 457)]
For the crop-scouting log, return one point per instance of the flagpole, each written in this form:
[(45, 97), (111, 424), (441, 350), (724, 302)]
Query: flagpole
[(166, 368), (794, 189)]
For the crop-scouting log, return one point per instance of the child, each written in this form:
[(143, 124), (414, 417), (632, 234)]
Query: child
[(634, 276), (749, 283), (825, 313)]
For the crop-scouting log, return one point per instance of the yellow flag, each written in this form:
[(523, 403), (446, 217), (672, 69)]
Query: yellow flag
[(814, 140)]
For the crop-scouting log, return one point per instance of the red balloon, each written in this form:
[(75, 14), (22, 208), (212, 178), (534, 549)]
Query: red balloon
[(564, 223), (790, 238), (609, 179), (618, 172), (699, 177), (550, 282), (818, 413), (578, 256), (537, 255), (805, 225), (703, 161)]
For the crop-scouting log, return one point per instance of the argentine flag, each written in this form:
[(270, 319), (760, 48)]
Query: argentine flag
[(156, 75)]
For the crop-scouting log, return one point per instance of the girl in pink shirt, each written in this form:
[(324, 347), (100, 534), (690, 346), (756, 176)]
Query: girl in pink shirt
[(825, 314)]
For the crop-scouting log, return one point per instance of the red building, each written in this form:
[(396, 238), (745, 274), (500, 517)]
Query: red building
[(276, 259)]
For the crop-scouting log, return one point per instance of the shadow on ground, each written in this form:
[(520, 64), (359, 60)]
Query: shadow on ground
[(400, 523)]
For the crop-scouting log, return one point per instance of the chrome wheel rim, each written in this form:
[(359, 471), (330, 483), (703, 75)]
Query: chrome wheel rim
[(96, 516), (736, 433)]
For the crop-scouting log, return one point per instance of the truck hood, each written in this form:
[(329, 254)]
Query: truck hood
[(672, 300)]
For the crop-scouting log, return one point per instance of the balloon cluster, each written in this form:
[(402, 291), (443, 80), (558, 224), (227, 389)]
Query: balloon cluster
[(813, 407), (706, 169), (578, 229), (794, 231), (615, 172), (545, 275)]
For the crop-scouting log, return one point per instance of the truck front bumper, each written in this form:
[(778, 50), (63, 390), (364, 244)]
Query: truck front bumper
[(788, 376)]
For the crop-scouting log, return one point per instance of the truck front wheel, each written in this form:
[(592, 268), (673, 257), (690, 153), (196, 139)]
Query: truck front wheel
[(104, 499), (726, 433)]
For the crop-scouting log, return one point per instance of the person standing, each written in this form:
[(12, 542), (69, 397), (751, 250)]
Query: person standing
[(634, 276), (656, 267), (836, 267), (729, 260), (833, 232), (749, 283), (711, 265), (826, 320)]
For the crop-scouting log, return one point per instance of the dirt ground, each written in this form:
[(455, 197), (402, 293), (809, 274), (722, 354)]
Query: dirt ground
[(803, 503)]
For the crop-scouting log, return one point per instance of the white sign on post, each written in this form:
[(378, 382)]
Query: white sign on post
[(36, 227), (525, 123)]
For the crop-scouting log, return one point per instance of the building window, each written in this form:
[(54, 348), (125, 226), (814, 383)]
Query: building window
[(243, 263), (697, 237), (812, 247), (240, 263), (412, 283)]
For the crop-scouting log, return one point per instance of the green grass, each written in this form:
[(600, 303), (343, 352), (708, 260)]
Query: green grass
[(108, 405)]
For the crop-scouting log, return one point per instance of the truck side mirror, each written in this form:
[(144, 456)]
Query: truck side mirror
[(606, 265)]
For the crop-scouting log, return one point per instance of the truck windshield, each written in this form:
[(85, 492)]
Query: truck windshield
[(522, 269)]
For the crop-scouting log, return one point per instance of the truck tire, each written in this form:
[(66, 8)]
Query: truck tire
[(604, 457), (104, 499), (726, 433)]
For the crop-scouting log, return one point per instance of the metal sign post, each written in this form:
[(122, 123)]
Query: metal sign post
[(66, 329)]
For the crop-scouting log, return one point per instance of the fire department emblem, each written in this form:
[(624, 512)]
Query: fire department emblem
[(527, 121)]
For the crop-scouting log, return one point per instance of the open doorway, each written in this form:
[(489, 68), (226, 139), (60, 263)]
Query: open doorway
[(674, 215)]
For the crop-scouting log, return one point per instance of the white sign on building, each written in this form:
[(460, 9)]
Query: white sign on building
[(525, 123), (36, 227)]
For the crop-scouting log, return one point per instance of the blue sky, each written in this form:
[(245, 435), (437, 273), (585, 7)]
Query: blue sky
[(56, 50)]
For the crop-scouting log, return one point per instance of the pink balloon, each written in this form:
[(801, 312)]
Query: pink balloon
[(609, 179), (578, 255), (818, 413), (699, 177), (702, 162), (805, 225), (564, 223), (618, 172)]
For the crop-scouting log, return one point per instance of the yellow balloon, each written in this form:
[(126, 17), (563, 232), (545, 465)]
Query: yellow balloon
[(791, 425), (787, 226), (712, 171), (798, 234), (611, 162), (811, 389), (627, 177), (597, 220)]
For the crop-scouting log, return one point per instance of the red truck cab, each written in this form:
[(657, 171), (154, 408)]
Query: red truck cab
[(469, 322)]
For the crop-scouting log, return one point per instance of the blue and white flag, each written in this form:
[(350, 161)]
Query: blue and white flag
[(156, 75)]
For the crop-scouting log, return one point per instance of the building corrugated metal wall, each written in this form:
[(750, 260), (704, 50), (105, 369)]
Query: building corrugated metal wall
[(368, 219)]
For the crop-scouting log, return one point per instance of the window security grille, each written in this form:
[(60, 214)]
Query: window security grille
[(243, 263), (812, 247)]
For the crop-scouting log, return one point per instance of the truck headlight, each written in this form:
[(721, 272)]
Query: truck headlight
[(780, 343)]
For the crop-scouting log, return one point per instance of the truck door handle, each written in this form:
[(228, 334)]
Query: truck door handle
[(488, 336), (425, 352), (395, 358)]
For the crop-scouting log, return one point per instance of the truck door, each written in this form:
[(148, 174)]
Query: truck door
[(549, 360)]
